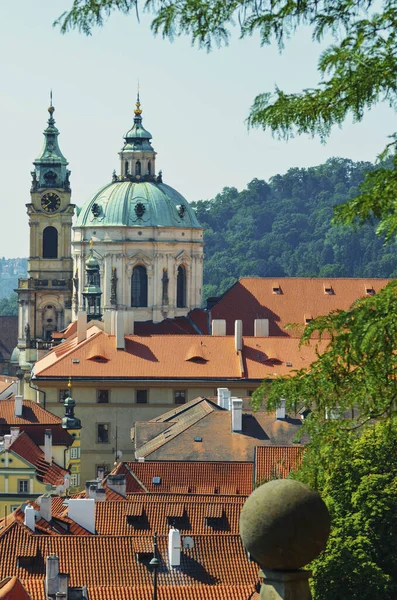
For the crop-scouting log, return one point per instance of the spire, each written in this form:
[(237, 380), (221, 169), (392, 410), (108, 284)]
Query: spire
[(137, 138), (50, 165), (69, 421), (92, 292)]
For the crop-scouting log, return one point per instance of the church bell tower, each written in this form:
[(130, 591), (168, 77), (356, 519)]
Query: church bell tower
[(44, 298)]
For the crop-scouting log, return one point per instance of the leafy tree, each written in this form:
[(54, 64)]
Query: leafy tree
[(360, 490), (356, 71), (351, 390), (9, 306)]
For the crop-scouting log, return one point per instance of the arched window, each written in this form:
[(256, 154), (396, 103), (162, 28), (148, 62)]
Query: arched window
[(181, 287), (50, 242), (139, 286), (126, 168), (149, 168), (137, 168)]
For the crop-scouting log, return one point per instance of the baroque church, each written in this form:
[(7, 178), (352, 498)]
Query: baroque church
[(136, 245)]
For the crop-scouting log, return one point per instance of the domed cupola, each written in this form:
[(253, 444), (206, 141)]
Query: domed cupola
[(137, 156), (148, 241)]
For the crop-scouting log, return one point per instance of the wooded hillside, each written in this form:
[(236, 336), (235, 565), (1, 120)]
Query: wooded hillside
[(283, 229)]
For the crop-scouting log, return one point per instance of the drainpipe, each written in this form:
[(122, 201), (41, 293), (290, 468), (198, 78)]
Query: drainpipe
[(41, 392)]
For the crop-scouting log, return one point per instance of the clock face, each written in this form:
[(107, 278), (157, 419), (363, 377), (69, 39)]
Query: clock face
[(50, 202)]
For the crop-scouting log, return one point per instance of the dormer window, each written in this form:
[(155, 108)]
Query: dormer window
[(328, 289), (276, 288), (369, 291), (308, 319)]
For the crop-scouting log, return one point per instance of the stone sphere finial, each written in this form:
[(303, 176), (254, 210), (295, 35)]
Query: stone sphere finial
[(284, 525)]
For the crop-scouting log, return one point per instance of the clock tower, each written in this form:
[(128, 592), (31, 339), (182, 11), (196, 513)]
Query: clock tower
[(45, 297)]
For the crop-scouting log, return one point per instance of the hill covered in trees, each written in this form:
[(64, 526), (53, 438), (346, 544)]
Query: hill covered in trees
[(283, 229)]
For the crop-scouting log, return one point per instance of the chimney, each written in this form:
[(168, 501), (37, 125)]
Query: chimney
[(218, 327), (82, 512), (129, 322), (118, 484), (100, 494), (91, 488), (81, 326), (14, 432), (29, 520), (223, 398), (7, 441), (261, 328), (238, 335), (174, 548), (237, 414), (120, 342), (18, 406), (45, 503), (280, 411), (52, 575), (48, 446)]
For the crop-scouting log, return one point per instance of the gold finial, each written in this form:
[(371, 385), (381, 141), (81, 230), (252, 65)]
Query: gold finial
[(91, 244), (51, 108), (70, 384), (138, 110)]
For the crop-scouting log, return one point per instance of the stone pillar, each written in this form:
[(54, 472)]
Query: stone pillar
[(284, 525)]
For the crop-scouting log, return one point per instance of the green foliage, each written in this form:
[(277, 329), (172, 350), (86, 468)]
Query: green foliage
[(360, 490), (283, 228), (9, 306), (356, 71)]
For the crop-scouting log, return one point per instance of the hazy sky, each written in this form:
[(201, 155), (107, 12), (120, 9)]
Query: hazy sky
[(195, 105)]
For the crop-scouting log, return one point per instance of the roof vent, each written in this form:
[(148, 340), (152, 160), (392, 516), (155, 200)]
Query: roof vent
[(156, 480), (75, 360), (308, 319), (370, 291), (328, 289), (276, 288), (288, 364), (198, 438)]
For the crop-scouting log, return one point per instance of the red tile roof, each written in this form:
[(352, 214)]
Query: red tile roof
[(12, 589), (253, 298), (189, 477), (32, 414), (149, 357), (45, 472), (276, 462)]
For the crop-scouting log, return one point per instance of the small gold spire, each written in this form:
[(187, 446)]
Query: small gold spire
[(51, 108), (138, 110), (91, 244), (70, 384)]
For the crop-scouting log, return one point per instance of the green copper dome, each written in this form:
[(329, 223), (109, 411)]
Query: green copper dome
[(137, 204)]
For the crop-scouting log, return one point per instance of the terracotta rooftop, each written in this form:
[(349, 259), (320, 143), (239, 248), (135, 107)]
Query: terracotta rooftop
[(287, 300), (46, 472), (149, 357), (34, 420), (276, 462), (200, 430), (111, 560), (12, 589), (32, 414), (234, 478)]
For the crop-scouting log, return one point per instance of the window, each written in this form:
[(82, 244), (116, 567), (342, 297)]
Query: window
[(137, 168), (23, 485), (50, 242), (102, 396), (149, 168), (75, 479), (102, 471), (63, 394), (181, 287), (74, 453), (141, 396), (126, 168), (139, 287), (179, 396), (103, 433), (14, 507)]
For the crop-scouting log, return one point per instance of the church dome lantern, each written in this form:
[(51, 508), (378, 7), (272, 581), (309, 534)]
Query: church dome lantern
[(147, 234)]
